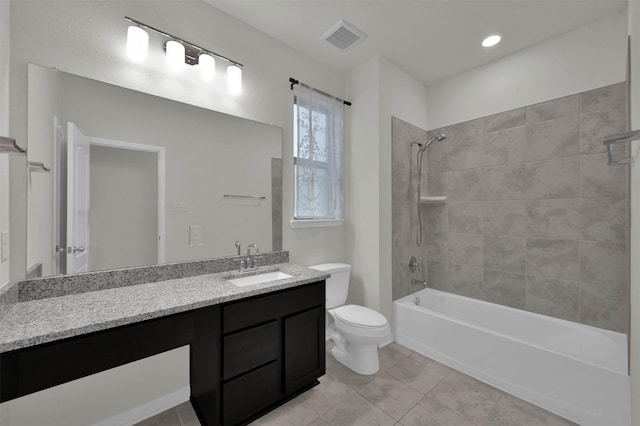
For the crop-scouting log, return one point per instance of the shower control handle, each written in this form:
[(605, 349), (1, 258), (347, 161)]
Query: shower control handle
[(413, 264)]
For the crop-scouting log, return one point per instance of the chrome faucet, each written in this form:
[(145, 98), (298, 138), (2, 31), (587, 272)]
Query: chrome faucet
[(238, 247), (251, 261)]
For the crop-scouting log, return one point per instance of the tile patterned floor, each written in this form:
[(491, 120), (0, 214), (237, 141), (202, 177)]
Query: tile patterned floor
[(409, 390)]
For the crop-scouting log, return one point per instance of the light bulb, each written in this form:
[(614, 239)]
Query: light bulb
[(234, 79), (492, 40), (207, 66), (175, 55), (137, 43)]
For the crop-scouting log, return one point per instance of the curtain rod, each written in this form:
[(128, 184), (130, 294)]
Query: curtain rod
[(293, 82)]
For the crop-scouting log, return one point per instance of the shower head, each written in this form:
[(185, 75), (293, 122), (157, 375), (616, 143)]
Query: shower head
[(426, 145)]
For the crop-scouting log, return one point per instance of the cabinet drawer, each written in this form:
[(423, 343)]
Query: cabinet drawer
[(248, 312), (248, 349), (246, 396)]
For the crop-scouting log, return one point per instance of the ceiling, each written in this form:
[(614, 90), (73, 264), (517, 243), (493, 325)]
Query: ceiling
[(429, 39)]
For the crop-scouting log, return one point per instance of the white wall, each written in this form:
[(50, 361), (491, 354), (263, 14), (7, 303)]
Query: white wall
[(586, 58), (362, 158), (87, 38), (634, 31), (378, 90)]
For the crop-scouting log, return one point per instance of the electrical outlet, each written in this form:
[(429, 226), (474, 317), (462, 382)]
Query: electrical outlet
[(180, 207), (196, 237), (4, 246)]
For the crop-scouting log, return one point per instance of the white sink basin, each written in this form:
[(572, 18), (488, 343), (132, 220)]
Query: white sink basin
[(259, 279)]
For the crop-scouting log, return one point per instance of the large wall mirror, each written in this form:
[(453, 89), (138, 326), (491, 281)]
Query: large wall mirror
[(119, 178)]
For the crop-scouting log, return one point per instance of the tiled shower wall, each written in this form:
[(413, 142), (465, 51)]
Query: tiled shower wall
[(534, 218)]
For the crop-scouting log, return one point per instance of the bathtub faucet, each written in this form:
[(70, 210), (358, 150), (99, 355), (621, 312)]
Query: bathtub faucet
[(418, 282)]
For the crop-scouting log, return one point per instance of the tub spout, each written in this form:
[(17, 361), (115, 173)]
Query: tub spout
[(418, 282)]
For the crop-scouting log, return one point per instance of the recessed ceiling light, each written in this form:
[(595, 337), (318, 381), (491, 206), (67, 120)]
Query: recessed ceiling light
[(492, 40)]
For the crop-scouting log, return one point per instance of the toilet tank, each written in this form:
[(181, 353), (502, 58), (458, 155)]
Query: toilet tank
[(337, 284)]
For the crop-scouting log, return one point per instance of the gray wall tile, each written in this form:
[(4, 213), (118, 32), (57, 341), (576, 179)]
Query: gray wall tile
[(400, 256), (505, 182), (437, 276), (504, 288), (466, 216), (597, 179), (506, 218), (528, 193), (401, 201), (553, 258), (504, 146), (436, 157), (557, 178), (556, 108), (464, 153), (558, 218), (437, 246), (604, 219), (466, 249), (435, 218), (465, 280), (553, 139), (603, 98), (466, 129), (505, 253), (466, 185), (557, 298), (504, 120), (596, 125), (603, 306), (436, 184), (605, 264)]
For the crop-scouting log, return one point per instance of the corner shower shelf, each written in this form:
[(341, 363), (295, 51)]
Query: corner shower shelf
[(433, 200)]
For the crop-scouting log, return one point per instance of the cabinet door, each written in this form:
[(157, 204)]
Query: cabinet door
[(304, 350)]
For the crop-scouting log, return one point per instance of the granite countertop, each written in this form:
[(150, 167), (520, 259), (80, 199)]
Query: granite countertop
[(34, 322)]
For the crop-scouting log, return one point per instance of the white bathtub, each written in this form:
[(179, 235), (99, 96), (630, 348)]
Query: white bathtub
[(576, 371)]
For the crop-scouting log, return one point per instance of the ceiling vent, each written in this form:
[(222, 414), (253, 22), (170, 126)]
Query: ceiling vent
[(344, 35)]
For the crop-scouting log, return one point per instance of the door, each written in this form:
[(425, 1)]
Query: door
[(78, 155), (304, 349)]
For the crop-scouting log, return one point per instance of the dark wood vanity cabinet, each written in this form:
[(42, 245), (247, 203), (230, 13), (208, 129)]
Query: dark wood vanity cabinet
[(246, 356), (272, 349)]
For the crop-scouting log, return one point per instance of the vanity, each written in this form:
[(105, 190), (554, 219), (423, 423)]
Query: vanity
[(251, 347)]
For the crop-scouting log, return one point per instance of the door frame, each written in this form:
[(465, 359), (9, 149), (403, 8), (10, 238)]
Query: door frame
[(161, 153)]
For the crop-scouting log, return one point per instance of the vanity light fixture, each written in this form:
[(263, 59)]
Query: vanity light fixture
[(137, 43), (234, 79), (175, 55), (207, 66), (180, 52), (491, 40)]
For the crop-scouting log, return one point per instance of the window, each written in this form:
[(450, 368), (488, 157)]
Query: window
[(317, 156)]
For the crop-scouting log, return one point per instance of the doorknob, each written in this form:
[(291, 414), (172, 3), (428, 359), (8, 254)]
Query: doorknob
[(75, 249)]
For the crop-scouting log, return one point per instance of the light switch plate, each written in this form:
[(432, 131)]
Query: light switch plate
[(196, 237), (4, 246)]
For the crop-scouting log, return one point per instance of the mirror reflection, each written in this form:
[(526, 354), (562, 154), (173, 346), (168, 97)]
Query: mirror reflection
[(126, 187)]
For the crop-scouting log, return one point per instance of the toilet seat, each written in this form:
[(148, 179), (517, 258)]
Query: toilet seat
[(360, 316)]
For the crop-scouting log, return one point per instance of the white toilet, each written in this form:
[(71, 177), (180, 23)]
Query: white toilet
[(355, 330)]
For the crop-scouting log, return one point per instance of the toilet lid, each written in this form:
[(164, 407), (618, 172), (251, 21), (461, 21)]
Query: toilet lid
[(360, 316)]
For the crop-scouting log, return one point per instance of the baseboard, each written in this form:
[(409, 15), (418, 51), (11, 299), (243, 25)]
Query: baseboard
[(387, 341), (149, 409)]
